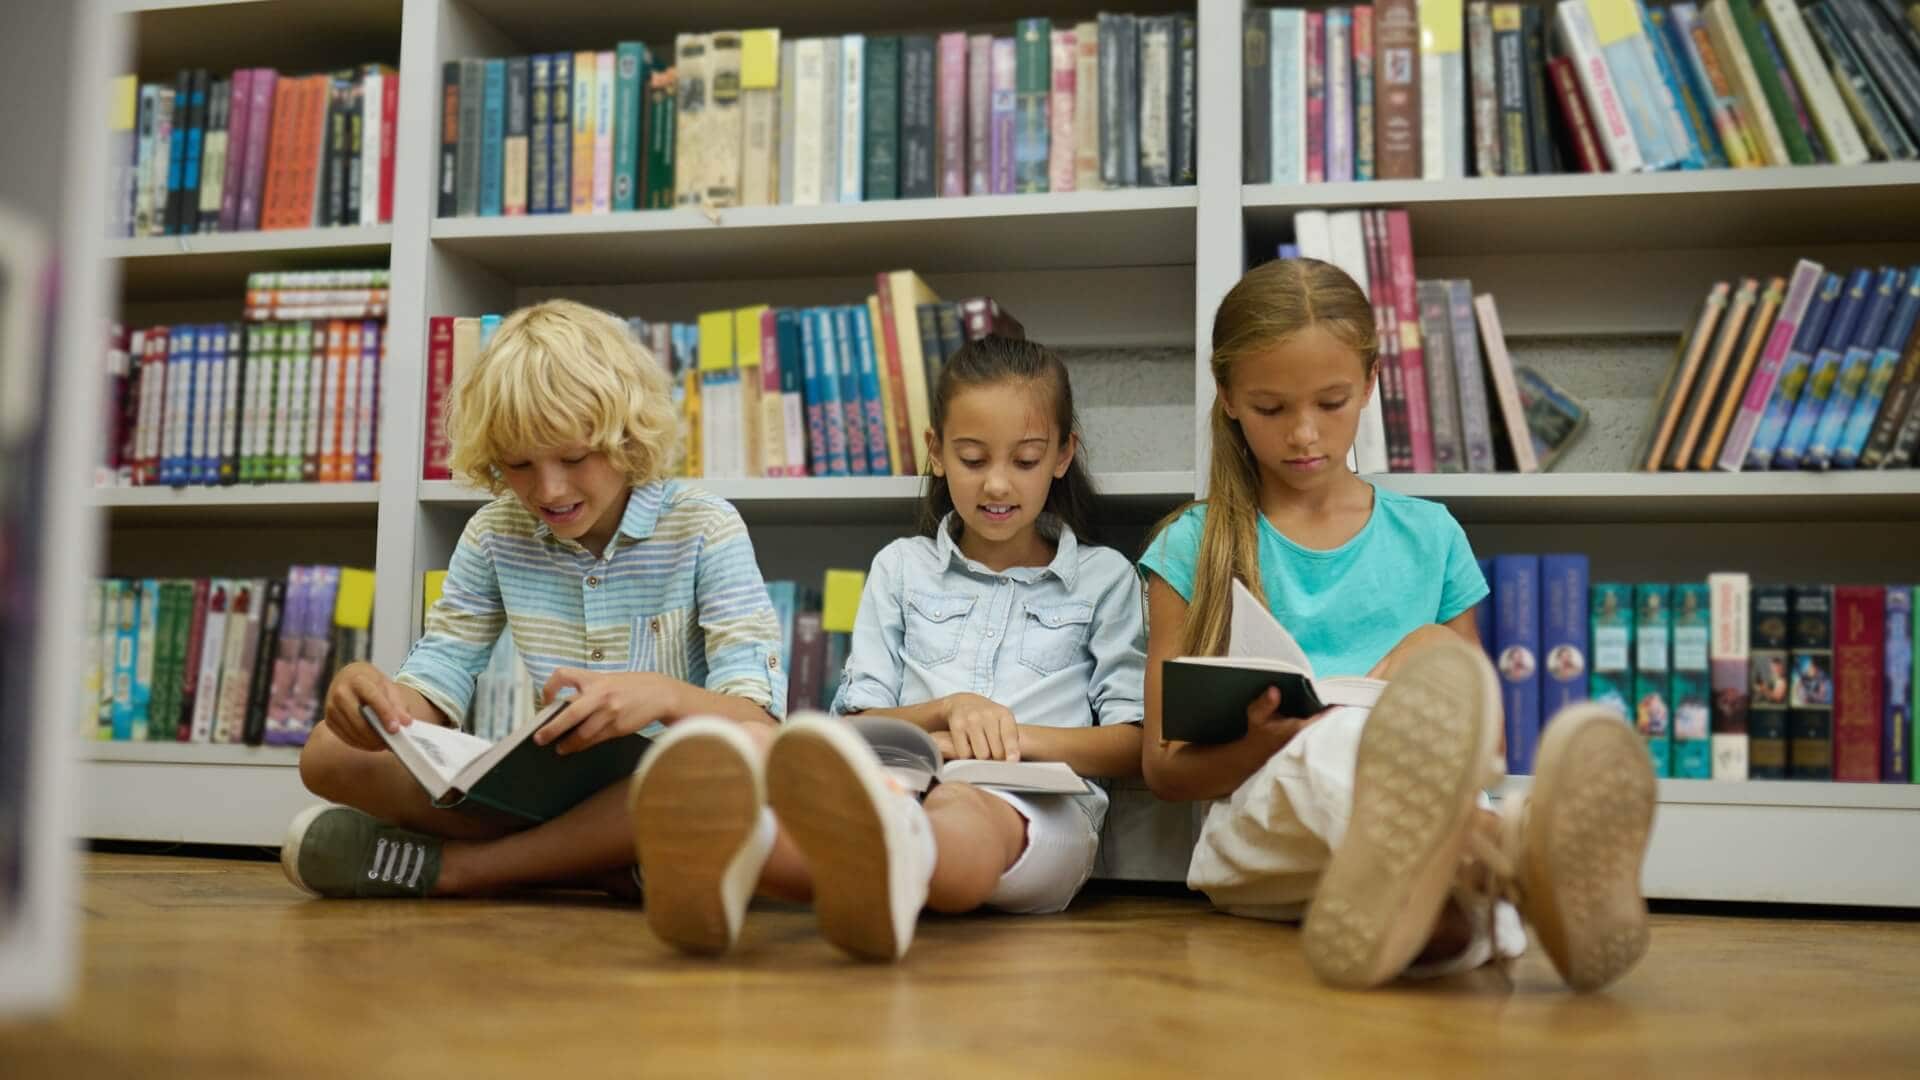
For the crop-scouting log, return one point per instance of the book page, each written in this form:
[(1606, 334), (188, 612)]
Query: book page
[(443, 749), (1254, 633), (1035, 776)]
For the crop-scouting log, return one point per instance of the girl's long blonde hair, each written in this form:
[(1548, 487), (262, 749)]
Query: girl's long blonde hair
[(1271, 303)]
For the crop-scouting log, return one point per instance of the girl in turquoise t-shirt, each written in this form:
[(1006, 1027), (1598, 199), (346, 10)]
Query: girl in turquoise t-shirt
[(1372, 821)]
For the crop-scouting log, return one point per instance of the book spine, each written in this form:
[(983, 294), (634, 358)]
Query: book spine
[(1652, 664), (1363, 92), (912, 457), (1004, 115), (1086, 102), (1674, 105), (1905, 443), (213, 654), (1184, 91), (1609, 116), (1851, 375), (1727, 661), (1155, 112), (1844, 143), (792, 391), (167, 648), (1476, 424), (1619, 36), (1800, 289), (918, 178), (1810, 704), (872, 413), (773, 413), (493, 134), (605, 78), (138, 646), (816, 395), (881, 115), (471, 101), (213, 164), (1396, 71), (1859, 673), (372, 87), (189, 196), (1823, 371), (1900, 333), (1516, 593), (1870, 108), (1896, 748), (1514, 153), (1441, 41), (1902, 389), (1119, 97), (980, 114), (1483, 62), (853, 414), (1063, 63), (1563, 633), (950, 113), (1412, 357), (1449, 453), (1316, 100), (1796, 101), (580, 137), (1033, 82), (1573, 114), (1730, 45), (560, 106), (809, 97), (365, 385), (852, 124), (189, 653), (143, 206), (630, 64), (165, 177), (539, 134), (1772, 87), (1691, 690), (1392, 387), (1339, 60), (513, 144), (1541, 152)]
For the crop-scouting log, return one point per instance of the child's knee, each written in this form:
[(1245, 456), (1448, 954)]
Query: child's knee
[(329, 768)]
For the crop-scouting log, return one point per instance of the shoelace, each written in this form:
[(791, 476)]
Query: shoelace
[(395, 861)]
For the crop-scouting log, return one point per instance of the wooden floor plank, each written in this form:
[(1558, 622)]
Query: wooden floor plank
[(212, 969)]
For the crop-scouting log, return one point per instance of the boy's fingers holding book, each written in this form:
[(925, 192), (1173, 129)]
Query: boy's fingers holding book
[(565, 678)]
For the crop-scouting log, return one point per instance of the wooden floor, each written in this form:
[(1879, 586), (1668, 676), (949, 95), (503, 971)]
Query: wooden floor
[(217, 968)]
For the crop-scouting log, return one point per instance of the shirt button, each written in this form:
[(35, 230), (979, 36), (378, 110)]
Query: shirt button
[(990, 633), (654, 624), (593, 583), (773, 662), (598, 654)]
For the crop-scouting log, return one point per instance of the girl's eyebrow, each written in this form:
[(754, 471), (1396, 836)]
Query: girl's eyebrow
[(977, 441)]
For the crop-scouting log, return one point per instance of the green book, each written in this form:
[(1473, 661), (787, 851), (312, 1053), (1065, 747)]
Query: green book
[(1692, 692), (1610, 618), (1768, 73), (163, 724), (160, 594), (630, 72), (658, 193), (881, 112), (1652, 705), (1033, 85), (515, 780)]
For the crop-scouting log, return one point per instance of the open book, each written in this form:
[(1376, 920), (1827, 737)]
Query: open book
[(516, 778), (910, 756), (1203, 699)]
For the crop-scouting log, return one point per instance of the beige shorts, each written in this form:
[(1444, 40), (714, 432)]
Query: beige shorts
[(1061, 844)]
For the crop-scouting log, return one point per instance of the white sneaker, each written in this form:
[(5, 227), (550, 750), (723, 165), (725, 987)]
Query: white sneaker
[(867, 843), (701, 832)]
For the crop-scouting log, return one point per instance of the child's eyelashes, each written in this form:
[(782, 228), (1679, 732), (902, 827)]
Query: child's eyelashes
[(981, 463)]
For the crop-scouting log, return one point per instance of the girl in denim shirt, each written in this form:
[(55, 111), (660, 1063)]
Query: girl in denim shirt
[(1001, 630)]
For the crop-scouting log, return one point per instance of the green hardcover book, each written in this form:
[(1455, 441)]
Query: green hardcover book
[(170, 666), (1692, 690), (1610, 619), (1032, 84), (1771, 680), (159, 594), (1769, 75), (1652, 667), (881, 113), (660, 137), (630, 68), (516, 780)]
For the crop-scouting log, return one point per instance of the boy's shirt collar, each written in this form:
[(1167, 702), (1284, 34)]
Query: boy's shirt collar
[(1066, 558), (637, 522)]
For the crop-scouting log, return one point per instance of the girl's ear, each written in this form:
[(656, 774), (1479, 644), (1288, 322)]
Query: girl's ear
[(1226, 400), (1373, 383), (933, 454), (1066, 459)]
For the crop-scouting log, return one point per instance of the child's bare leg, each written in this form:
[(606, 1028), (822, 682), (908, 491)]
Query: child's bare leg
[(977, 837), (376, 783)]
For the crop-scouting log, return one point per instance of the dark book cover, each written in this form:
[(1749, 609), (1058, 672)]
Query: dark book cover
[(535, 783), (1810, 697), (449, 203), (1396, 73), (1771, 685), (1256, 97), (1212, 697), (807, 677), (917, 177), (260, 680), (473, 81), (660, 136), (1859, 681), (1186, 95), (1155, 82), (1119, 101), (1542, 154), (1033, 83), (339, 146), (1896, 748), (952, 333), (357, 146), (1516, 137), (560, 135), (880, 115), (540, 132)]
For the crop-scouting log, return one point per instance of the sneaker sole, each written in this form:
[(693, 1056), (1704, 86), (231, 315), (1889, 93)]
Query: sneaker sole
[(1422, 758), (828, 800), (1589, 816), (695, 806), (290, 848)]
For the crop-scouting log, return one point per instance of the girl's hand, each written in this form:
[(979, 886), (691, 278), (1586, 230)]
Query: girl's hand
[(606, 705), (1421, 638), (1265, 722), (979, 728), (363, 684)]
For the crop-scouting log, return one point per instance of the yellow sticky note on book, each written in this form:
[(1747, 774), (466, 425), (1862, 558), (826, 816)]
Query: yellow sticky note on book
[(746, 335), (759, 59), (353, 603), (125, 103), (841, 601), (716, 341), (1613, 20), (432, 584), (1440, 26)]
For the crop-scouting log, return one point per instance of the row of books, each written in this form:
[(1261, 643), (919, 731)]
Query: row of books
[(252, 150), (1726, 679), (221, 660), (290, 396), (1405, 89), (840, 390), (1820, 371), (1449, 396), (744, 118)]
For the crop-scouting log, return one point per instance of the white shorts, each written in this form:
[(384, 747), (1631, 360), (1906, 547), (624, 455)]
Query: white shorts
[(1061, 844)]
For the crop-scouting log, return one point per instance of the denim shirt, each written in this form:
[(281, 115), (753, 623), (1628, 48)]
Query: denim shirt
[(1060, 645)]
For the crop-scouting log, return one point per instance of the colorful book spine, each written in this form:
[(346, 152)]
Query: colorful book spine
[(1516, 158), (792, 391), (366, 455), (852, 105), (1810, 704), (1316, 101), (1899, 334), (1564, 632), (1652, 667), (1824, 369), (1610, 612), (1859, 681), (630, 71), (1600, 90), (1407, 321), (1728, 671), (1363, 91), (980, 112), (1287, 67), (1517, 641), (1062, 144), (1396, 70), (1772, 86), (1033, 84), (1896, 753), (1003, 115), (873, 415), (1806, 275), (1793, 373), (1851, 374), (1686, 124), (1483, 75), (815, 395), (853, 410), (1691, 688)]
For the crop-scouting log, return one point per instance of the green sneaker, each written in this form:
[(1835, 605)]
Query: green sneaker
[(339, 852)]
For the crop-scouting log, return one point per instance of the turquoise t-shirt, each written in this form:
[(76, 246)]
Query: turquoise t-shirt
[(1408, 566)]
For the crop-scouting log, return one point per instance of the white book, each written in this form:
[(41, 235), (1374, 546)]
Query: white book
[(905, 752), (261, 340), (1312, 235), (787, 106), (213, 650), (1339, 104), (1724, 34), (831, 75), (760, 119), (1349, 253), (1844, 142), (180, 396), (153, 400), (372, 91), (1596, 85), (603, 82), (1287, 67), (1443, 91), (236, 667), (136, 363), (853, 88), (809, 121), (1086, 101)]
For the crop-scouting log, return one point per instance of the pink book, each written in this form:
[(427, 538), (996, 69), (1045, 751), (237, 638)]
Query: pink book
[(1413, 368), (771, 407), (286, 656), (1316, 97), (439, 385), (1060, 144), (259, 125), (315, 645), (238, 110), (1800, 289), (1000, 139), (979, 114), (951, 114), (389, 124)]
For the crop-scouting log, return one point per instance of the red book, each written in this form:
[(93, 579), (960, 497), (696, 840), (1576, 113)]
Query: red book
[(1413, 367), (439, 448), (278, 156), (1393, 404), (1060, 139), (1316, 97), (389, 125), (153, 408), (950, 114), (190, 674), (1573, 112), (1396, 96), (897, 383), (1859, 681)]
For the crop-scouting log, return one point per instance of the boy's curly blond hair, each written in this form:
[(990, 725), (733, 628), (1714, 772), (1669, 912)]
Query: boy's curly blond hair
[(561, 374)]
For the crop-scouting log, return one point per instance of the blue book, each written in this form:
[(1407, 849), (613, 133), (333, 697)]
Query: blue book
[(1691, 689), (177, 151), (1859, 425), (1896, 747), (539, 133), (785, 598), (1483, 613), (853, 412), (1701, 150), (493, 134), (1563, 633), (1652, 693), (1635, 79), (488, 325), (1286, 62), (190, 168), (1821, 372), (176, 391), (631, 64), (1793, 373), (1516, 637), (1852, 370), (129, 691), (879, 462), (1693, 84), (825, 369), (793, 393), (816, 410), (560, 139)]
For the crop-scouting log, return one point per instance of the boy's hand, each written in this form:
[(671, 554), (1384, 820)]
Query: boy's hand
[(363, 684), (1265, 722), (979, 728), (606, 705)]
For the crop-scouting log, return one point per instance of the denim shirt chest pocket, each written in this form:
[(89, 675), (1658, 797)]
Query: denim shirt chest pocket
[(1054, 636), (934, 624)]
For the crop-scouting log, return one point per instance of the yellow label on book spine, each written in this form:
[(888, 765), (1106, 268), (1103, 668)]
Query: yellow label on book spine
[(841, 600), (1506, 17), (1613, 20), (746, 335), (716, 341), (126, 103), (353, 603), (432, 584), (1440, 26), (759, 59)]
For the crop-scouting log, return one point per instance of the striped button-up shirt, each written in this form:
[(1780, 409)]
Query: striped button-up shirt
[(677, 592)]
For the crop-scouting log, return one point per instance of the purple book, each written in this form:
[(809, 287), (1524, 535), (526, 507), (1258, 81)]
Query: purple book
[(979, 114), (1000, 146), (239, 112), (259, 127), (951, 114), (1896, 747)]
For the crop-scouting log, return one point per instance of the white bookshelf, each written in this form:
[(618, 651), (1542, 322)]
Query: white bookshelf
[(1586, 258)]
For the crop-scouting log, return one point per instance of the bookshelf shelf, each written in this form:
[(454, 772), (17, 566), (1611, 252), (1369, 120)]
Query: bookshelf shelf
[(217, 264), (1606, 212), (165, 753), (210, 799), (265, 504), (1628, 497), (1134, 227)]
